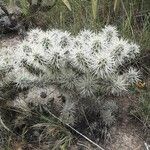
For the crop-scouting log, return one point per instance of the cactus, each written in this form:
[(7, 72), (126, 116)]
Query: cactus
[(83, 67)]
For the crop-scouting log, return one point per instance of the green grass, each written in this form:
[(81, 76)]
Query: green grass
[(142, 112), (132, 17)]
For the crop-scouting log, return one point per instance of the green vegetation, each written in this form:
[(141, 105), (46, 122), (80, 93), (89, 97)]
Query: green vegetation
[(142, 111)]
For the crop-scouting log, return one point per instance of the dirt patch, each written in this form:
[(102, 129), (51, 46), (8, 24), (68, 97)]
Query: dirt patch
[(128, 134), (126, 141), (9, 40)]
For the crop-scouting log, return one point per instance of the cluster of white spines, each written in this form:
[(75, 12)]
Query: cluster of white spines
[(96, 54)]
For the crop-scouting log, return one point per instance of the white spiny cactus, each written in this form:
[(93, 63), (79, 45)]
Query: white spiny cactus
[(133, 76), (83, 62), (118, 85)]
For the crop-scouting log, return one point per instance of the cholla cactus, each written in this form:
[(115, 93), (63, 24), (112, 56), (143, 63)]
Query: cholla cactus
[(84, 66)]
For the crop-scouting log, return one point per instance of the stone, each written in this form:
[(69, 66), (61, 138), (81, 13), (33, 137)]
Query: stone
[(5, 22)]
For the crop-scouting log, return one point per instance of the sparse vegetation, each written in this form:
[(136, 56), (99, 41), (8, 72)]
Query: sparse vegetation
[(142, 111)]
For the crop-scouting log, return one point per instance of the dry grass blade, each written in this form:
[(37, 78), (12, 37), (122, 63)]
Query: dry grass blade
[(79, 133), (116, 4), (3, 124), (40, 125), (66, 2), (94, 8)]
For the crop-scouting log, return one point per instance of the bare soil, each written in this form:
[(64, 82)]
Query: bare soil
[(128, 134)]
